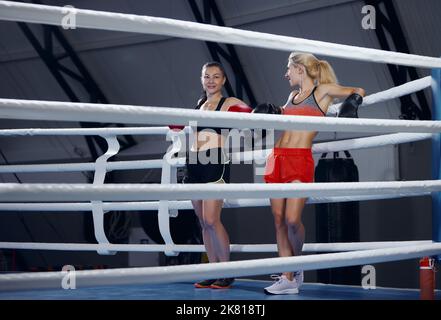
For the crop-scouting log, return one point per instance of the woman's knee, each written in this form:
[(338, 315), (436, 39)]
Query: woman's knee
[(293, 222), (200, 218), (209, 221), (279, 219)]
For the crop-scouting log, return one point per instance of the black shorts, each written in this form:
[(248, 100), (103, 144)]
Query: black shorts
[(207, 166)]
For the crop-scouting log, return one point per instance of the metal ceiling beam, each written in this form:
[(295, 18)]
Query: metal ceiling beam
[(45, 49)]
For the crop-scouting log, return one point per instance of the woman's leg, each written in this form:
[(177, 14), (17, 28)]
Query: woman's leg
[(296, 230), (283, 243), (198, 209), (211, 213)]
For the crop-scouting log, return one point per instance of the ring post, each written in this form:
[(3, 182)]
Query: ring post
[(427, 270), (436, 157)]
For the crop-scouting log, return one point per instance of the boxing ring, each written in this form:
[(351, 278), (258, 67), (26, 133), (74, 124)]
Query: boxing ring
[(169, 197)]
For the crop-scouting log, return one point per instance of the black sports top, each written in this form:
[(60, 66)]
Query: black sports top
[(219, 106)]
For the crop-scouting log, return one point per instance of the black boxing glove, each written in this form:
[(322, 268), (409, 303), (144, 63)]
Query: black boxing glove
[(349, 107), (267, 108)]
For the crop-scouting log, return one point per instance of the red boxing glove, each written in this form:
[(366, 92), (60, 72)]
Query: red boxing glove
[(240, 108), (176, 127)]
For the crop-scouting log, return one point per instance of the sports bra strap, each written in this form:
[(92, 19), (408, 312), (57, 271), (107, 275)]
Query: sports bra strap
[(221, 102), (219, 105), (199, 105)]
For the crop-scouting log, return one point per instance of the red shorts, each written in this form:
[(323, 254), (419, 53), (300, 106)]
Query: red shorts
[(286, 165)]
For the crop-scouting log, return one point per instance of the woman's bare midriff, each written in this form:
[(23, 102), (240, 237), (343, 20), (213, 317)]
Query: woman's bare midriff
[(296, 139)]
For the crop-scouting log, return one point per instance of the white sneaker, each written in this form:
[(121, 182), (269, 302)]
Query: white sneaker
[(298, 275), (285, 286)]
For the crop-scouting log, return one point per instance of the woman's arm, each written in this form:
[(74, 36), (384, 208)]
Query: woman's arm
[(232, 101), (326, 93), (336, 91)]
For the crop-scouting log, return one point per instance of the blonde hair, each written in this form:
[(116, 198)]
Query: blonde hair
[(319, 70)]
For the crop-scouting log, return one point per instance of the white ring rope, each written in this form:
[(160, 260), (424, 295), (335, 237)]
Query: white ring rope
[(14, 192), (185, 204), (90, 166), (389, 94), (398, 91), (382, 96), (307, 247), (334, 146), (172, 274), (24, 12), (86, 112), (104, 132), (370, 142), (238, 157)]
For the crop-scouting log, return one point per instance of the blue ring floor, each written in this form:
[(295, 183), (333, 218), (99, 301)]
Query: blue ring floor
[(242, 289)]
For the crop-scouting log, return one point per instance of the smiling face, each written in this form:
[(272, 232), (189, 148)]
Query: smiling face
[(294, 73), (213, 79)]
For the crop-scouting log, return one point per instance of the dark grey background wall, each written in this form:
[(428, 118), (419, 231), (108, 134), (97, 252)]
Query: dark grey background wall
[(150, 70)]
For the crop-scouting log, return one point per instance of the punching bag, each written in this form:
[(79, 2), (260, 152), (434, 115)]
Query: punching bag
[(339, 221)]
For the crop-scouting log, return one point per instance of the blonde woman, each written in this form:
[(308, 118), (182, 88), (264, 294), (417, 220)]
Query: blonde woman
[(314, 88)]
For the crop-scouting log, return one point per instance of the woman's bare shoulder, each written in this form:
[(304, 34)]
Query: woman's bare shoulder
[(232, 101)]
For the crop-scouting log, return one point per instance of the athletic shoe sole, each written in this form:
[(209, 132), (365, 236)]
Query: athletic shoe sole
[(287, 291), (199, 286), (219, 287)]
